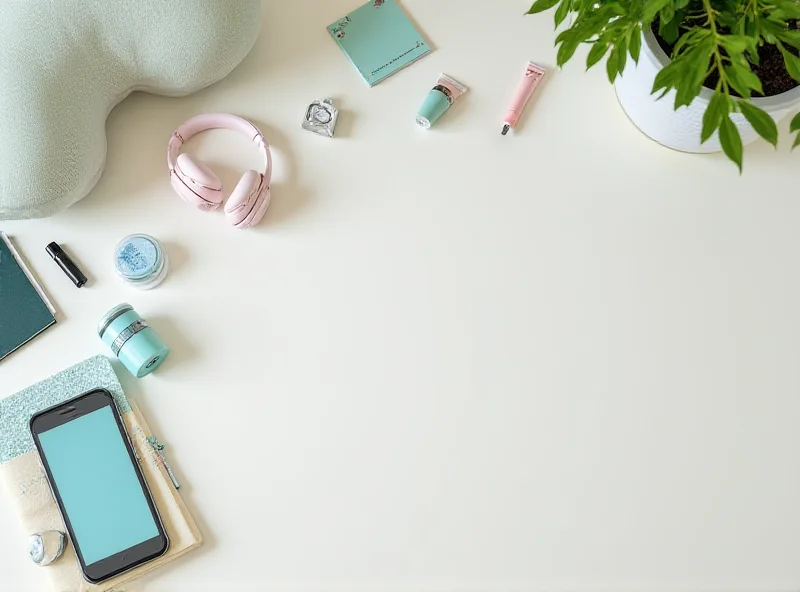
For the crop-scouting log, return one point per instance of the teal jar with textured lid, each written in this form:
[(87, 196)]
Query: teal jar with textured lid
[(132, 340)]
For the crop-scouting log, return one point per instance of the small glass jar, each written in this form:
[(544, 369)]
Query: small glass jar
[(46, 547), (132, 340), (141, 261)]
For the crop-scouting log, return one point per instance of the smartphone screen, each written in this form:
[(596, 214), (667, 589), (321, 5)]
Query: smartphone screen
[(103, 498)]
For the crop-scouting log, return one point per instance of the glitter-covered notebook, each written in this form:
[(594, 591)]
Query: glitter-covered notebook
[(27, 489)]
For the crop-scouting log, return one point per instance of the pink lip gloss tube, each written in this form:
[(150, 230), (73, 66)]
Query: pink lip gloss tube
[(533, 75)]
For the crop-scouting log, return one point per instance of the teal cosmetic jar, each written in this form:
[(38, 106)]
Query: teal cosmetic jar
[(132, 340), (141, 261)]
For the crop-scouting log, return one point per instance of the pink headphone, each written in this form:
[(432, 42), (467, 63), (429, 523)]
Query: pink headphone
[(199, 186)]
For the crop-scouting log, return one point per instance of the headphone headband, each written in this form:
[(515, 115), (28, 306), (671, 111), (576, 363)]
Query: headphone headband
[(208, 121)]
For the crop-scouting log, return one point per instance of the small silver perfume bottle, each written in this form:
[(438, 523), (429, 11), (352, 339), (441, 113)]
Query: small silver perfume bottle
[(321, 118)]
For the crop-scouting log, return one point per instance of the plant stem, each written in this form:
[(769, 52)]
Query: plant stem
[(712, 25)]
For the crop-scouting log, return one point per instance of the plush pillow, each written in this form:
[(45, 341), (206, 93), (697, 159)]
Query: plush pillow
[(64, 66)]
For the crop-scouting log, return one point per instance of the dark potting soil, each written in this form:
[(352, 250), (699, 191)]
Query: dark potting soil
[(770, 69)]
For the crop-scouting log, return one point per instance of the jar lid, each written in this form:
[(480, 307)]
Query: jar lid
[(138, 257), (108, 318)]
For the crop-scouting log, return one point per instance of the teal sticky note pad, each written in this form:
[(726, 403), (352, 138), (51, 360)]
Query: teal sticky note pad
[(379, 39)]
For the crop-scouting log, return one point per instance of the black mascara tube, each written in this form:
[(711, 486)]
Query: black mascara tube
[(66, 264)]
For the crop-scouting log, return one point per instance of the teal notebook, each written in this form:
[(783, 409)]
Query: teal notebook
[(379, 39), (24, 309)]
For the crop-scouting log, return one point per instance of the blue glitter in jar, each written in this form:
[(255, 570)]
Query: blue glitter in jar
[(141, 261)]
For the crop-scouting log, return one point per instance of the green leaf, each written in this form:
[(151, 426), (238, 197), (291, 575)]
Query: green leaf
[(612, 65), (651, 9), (742, 79), (761, 122), (668, 30), (731, 141), (622, 56), (541, 6), (790, 36), (727, 17), (791, 61), (738, 27), (566, 50), (599, 49), (737, 43), (748, 76), (694, 64), (752, 56), (685, 41), (770, 29), (667, 14), (718, 107), (590, 23), (635, 46), (749, 28), (690, 39), (567, 34), (795, 125), (562, 12), (789, 7), (667, 77), (796, 141)]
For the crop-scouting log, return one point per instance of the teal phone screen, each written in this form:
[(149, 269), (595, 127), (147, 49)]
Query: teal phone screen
[(98, 486)]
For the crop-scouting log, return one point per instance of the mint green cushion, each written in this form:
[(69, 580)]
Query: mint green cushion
[(65, 64)]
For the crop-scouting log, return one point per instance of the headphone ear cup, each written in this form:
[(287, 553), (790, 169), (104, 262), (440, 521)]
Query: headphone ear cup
[(245, 200), (201, 187), (261, 208), (186, 194)]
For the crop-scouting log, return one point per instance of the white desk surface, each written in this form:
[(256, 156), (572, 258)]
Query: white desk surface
[(565, 359)]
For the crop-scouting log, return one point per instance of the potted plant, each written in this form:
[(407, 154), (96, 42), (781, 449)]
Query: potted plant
[(694, 75)]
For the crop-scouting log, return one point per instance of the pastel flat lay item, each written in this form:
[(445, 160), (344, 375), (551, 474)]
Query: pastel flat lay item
[(141, 261), (28, 493), (379, 39), (66, 64), (25, 310)]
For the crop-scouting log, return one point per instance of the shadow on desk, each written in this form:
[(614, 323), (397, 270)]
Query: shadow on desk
[(289, 196)]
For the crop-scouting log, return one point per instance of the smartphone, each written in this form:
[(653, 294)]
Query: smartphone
[(93, 473)]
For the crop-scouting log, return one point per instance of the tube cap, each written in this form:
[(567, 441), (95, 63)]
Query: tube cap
[(436, 103)]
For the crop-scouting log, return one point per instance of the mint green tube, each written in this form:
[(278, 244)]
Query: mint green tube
[(436, 103), (444, 94)]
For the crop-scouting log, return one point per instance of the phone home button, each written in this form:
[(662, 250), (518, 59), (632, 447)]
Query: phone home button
[(125, 558)]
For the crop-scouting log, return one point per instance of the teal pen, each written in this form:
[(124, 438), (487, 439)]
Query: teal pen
[(158, 448)]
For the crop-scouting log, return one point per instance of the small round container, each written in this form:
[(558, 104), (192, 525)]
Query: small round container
[(141, 261), (132, 340), (46, 547)]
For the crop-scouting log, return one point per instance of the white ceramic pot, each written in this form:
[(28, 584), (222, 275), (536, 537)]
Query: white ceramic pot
[(681, 129)]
